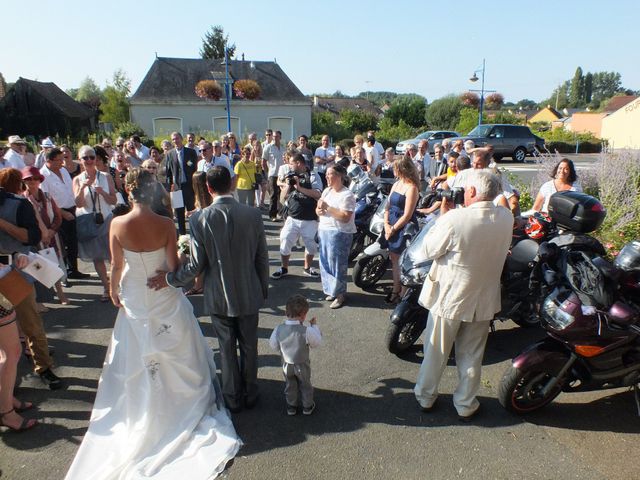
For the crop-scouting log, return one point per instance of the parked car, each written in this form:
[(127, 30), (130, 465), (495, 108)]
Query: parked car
[(434, 136), (515, 141)]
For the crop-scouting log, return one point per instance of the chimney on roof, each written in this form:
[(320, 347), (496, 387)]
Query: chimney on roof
[(315, 100), (243, 56)]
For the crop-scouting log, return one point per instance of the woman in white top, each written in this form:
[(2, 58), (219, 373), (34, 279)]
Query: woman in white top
[(564, 180), (335, 210), (94, 192)]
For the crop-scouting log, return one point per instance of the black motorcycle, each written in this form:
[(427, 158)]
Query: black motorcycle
[(572, 215)]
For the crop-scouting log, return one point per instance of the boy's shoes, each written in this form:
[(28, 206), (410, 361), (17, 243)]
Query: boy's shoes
[(278, 274), (311, 272), (309, 410), (291, 410)]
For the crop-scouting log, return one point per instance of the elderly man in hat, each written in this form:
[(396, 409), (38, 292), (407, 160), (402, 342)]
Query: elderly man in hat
[(46, 146), (14, 157)]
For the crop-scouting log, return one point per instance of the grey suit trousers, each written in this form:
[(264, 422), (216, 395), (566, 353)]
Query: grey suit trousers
[(297, 379), (239, 378)]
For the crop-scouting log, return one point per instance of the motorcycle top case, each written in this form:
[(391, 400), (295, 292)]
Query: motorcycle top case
[(576, 211)]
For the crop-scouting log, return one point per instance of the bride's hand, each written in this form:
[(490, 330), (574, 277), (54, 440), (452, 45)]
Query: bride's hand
[(116, 300), (158, 281)]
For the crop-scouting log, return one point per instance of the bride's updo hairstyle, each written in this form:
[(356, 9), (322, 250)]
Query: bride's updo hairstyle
[(140, 185)]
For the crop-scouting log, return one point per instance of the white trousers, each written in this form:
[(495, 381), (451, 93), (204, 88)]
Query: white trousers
[(470, 339)]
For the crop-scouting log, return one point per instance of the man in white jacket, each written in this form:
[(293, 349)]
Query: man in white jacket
[(462, 291)]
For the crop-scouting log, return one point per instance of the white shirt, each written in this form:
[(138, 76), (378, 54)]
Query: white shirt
[(343, 200), (313, 336), (549, 188), (374, 158), (14, 159), (274, 157), (143, 152), (222, 161), (60, 189)]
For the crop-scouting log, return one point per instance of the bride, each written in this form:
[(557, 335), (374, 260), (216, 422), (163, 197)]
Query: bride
[(158, 412)]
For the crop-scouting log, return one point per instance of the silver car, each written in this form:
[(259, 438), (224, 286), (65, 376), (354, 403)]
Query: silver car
[(434, 136)]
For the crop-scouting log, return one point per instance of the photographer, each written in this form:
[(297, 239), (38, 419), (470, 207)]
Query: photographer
[(462, 291), (303, 189)]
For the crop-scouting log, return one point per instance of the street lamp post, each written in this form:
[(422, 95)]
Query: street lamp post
[(227, 89), (482, 91)]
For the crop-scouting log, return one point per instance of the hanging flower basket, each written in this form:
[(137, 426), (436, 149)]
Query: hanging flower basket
[(209, 89), (247, 89)]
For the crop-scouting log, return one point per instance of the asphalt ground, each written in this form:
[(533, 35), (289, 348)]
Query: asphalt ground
[(366, 425)]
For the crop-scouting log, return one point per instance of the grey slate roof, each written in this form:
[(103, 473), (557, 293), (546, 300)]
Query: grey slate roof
[(174, 79), (336, 105), (60, 100)]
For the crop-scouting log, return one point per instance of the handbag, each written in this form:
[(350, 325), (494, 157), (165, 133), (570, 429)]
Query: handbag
[(14, 287), (87, 225), (254, 185)]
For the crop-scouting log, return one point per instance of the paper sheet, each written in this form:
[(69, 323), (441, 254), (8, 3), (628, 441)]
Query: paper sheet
[(43, 270), (176, 199)]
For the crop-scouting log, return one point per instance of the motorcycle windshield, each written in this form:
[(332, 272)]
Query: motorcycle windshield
[(414, 255), (377, 221)]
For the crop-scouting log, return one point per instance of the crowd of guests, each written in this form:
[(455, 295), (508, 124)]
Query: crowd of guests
[(65, 201)]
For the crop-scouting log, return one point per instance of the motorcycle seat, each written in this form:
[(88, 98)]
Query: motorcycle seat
[(622, 314)]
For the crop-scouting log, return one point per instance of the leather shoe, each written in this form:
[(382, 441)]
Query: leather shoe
[(469, 418), (51, 380), (76, 275), (249, 403)]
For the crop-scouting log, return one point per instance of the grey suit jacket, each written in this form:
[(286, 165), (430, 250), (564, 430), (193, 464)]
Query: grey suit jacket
[(229, 246)]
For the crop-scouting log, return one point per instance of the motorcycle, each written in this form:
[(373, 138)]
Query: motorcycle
[(368, 198), (373, 263), (521, 286), (593, 334)]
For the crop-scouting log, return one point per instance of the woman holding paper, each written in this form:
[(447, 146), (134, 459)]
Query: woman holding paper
[(49, 218), (95, 194)]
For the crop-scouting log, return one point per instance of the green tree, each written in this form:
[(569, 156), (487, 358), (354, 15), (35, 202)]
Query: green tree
[(444, 113), (576, 93), (606, 85), (468, 120), (324, 123), (214, 43), (358, 121), (115, 105), (89, 92), (588, 87), (411, 110), (526, 104), (3, 86)]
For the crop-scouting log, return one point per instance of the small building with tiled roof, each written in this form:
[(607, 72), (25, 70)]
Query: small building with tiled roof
[(546, 115), (42, 109), (166, 100)]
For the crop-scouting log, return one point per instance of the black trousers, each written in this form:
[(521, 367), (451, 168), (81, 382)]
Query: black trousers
[(239, 378), (188, 197), (69, 239), (275, 196)]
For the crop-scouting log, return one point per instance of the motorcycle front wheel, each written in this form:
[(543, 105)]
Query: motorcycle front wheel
[(406, 329), (368, 270), (521, 391)]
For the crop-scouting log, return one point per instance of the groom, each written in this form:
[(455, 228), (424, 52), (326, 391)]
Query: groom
[(229, 247)]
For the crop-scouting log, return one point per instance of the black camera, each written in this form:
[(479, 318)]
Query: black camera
[(99, 218), (455, 195), (290, 178)]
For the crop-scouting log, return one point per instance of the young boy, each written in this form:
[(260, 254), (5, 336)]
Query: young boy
[(293, 339)]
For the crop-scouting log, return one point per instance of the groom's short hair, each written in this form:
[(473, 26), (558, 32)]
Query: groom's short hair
[(219, 179)]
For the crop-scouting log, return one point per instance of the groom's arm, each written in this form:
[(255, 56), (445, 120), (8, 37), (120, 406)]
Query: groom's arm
[(198, 260), (262, 258)]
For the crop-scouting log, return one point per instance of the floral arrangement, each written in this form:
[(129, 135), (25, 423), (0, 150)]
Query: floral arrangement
[(209, 89), (184, 244), (248, 89)]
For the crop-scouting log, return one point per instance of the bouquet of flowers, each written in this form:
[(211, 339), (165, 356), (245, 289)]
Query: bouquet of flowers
[(184, 244)]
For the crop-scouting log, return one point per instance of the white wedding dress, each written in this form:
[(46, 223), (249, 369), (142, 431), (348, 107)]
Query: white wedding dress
[(158, 412)]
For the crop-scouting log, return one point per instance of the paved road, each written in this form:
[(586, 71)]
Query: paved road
[(528, 170), (366, 425)]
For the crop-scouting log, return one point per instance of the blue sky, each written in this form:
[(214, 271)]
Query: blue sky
[(426, 47)]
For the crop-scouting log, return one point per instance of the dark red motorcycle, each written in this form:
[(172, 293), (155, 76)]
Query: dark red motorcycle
[(592, 319)]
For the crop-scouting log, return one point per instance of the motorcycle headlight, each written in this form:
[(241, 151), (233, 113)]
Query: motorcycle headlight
[(553, 313)]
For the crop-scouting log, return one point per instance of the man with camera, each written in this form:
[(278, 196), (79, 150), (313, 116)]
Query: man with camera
[(302, 192), (462, 291)]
